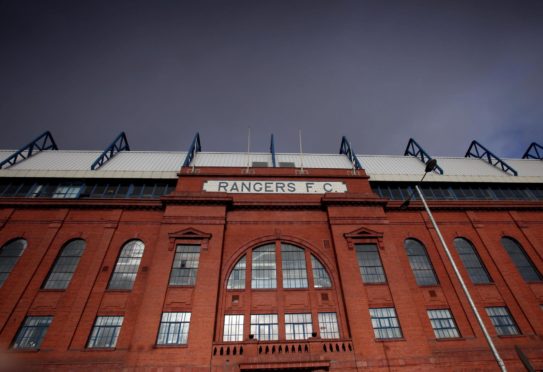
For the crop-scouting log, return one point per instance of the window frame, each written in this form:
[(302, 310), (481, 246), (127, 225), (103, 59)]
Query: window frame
[(381, 320), (192, 249), (361, 266), (4, 275), (494, 319), (323, 322), (476, 257), (57, 261), (414, 270), (235, 337), (102, 328), (528, 262), (307, 326), (435, 322), (182, 332), (271, 248), (260, 321), (297, 267), (41, 329), (134, 273)]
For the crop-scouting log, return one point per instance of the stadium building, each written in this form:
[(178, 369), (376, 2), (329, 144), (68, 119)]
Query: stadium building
[(174, 261)]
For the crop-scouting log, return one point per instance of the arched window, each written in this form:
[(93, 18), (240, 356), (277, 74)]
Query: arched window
[(127, 265), (471, 261), (65, 265), (320, 276), (521, 260), (9, 255), (420, 263), (237, 276), (264, 274), (287, 267)]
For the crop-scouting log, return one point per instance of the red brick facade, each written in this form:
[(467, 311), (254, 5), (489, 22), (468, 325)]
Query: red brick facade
[(227, 226)]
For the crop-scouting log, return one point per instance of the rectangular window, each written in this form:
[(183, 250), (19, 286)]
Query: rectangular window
[(105, 332), (298, 326), (185, 265), (385, 323), (371, 268), (264, 327), (233, 328), (31, 334), (67, 191), (174, 329), (443, 323), (328, 325), (263, 267), (502, 321), (294, 271)]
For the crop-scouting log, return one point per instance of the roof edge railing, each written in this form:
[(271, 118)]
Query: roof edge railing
[(272, 151), (195, 147), (43, 142), (534, 151), (120, 143), (476, 150), (346, 149), (416, 150)]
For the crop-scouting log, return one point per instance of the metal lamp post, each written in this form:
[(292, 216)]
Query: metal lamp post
[(430, 166)]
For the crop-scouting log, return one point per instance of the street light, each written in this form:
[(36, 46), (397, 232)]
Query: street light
[(430, 166)]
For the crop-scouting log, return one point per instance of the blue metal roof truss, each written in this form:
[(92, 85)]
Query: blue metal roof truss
[(272, 151), (346, 149), (414, 149), (119, 144), (43, 142), (534, 151), (476, 150), (195, 147)]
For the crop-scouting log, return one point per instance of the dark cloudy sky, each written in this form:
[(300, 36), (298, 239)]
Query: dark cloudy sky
[(379, 72)]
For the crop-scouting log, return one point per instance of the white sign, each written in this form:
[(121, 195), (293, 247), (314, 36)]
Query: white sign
[(274, 187)]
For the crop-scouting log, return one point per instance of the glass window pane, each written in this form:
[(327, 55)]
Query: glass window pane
[(237, 276), (420, 263), (471, 261), (263, 267), (371, 268), (174, 329), (65, 265), (9, 255), (265, 327), (502, 321), (126, 269), (293, 265), (443, 323), (298, 326), (233, 328), (520, 259), (328, 326), (32, 332), (105, 332), (385, 323), (185, 265), (321, 278)]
